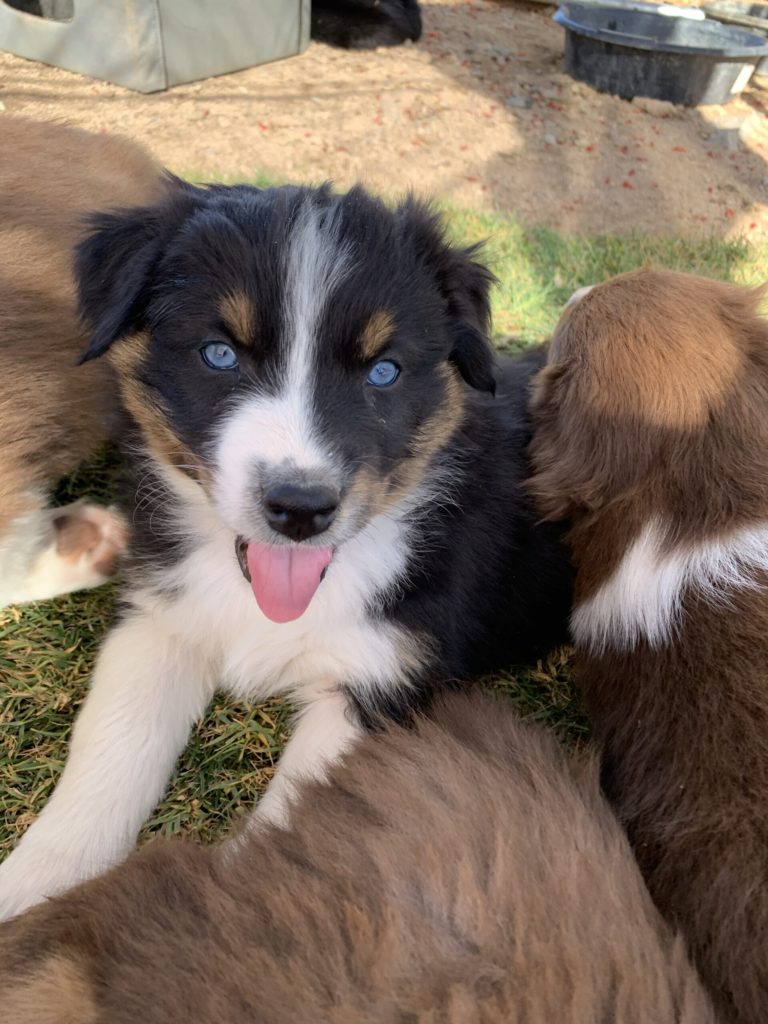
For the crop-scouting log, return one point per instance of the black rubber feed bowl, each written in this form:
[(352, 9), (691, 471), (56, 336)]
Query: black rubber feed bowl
[(640, 53)]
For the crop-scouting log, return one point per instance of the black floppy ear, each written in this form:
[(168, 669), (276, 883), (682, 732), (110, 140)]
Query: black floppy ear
[(114, 265), (474, 358), (467, 284)]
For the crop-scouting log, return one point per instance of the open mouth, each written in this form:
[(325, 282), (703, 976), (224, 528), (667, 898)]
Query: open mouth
[(283, 578)]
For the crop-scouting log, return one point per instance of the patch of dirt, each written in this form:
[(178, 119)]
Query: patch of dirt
[(480, 111)]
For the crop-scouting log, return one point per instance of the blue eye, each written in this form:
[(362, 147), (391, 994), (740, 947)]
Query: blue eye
[(219, 356), (383, 374)]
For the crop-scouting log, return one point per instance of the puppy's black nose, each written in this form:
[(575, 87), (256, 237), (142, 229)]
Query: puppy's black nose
[(300, 512)]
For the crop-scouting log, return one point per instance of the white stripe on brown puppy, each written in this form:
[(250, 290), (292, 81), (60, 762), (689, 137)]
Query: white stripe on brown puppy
[(652, 438), (643, 599)]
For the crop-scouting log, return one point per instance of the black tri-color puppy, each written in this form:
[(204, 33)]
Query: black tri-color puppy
[(328, 501)]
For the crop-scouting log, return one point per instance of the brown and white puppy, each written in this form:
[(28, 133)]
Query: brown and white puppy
[(469, 872), (652, 436), (53, 415)]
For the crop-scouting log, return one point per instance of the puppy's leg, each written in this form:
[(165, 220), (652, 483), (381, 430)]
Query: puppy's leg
[(324, 730), (148, 689), (52, 551)]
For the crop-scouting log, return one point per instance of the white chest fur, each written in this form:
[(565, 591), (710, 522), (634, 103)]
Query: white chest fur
[(339, 639)]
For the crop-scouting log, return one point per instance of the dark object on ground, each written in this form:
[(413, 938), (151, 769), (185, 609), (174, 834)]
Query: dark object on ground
[(467, 872), (57, 10), (637, 53), (365, 24)]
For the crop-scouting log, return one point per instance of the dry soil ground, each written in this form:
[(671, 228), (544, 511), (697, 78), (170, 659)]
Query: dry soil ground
[(480, 111)]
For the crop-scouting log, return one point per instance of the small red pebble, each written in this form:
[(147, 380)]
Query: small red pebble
[(463, 146), (710, 189), (624, 149), (752, 226), (632, 172), (470, 177), (264, 127), (627, 184), (679, 149), (590, 149), (729, 212)]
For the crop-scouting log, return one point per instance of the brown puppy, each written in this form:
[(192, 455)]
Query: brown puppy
[(652, 435), (470, 873), (53, 414)]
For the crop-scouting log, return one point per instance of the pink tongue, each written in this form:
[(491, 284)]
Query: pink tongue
[(284, 579)]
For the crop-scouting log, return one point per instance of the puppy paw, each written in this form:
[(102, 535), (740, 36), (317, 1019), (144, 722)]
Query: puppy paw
[(90, 540), (81, 549)]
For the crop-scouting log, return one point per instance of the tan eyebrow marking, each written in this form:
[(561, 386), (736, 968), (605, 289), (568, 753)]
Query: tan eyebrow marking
[(376, 333), (237, 311)]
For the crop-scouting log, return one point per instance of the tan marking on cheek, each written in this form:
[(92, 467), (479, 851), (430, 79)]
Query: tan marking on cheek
[(376, 334), (415, 651), (433, 435), (377, 493), (440, 427), (369, 492), (238, 314), (127, 358)]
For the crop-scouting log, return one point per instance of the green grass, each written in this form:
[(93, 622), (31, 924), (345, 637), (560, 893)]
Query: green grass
[(538, 269), (47, 650)]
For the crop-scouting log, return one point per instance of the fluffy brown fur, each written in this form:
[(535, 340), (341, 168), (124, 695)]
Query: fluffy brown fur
[(472, 873), (53, 414), (655, 406)]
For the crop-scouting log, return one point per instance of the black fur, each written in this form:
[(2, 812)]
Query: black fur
[(365, 24), (487, 585)]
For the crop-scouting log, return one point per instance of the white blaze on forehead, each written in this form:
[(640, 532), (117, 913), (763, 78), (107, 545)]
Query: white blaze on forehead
[(316, 262), (278, 428)]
